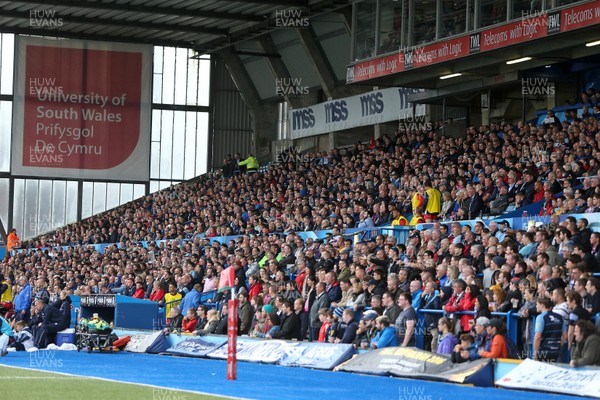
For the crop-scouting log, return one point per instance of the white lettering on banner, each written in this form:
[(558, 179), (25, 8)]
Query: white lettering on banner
[(537, 375), (576, 17), (490, 39), (361, 110)]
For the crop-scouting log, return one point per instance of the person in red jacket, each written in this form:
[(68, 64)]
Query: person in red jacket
[(189, 321), (497, 343), (139, 291), (463, 299), (157, 293), (255, 286)]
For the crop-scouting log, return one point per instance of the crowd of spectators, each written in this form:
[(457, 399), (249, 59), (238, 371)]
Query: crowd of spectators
[(313, 289)]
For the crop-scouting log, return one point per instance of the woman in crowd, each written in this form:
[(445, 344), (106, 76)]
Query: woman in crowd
[(447, 341)]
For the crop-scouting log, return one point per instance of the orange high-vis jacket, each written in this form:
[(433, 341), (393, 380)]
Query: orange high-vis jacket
[(12, 241)]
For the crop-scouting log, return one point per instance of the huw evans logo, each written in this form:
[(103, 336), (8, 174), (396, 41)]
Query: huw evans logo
[(44, 19), (292, 18), (44, 359), (413, 392), (414, 123), (166, 394), (290, 154), (537, 87), (290, 87), (534, 17)]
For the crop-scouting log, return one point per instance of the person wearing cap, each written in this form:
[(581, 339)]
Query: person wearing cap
[(366, 330), (386, 334), (496, 343), (345, 331)]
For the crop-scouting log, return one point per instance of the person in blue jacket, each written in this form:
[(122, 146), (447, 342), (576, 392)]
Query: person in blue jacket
[(23, 301), (191, 299), (6, 333), (386, 334)]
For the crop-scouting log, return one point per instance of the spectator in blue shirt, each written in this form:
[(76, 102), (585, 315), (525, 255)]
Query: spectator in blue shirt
[(23, 300), (191, 299), (386, 334)]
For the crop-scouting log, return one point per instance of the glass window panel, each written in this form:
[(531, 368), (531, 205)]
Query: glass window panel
[(364, 46), (30, 212), (390, 26), (158, 59), (202, 140), (166, 145), (492, 12), (192, 82), (5, 135), (526, 8), (87, 200), (454, 17), (154, 160), (112, 195), (157, 89), (424, 26), (59, 197), (559, 3), (190, 145), (139, 191), (45, 201), (4, 202), (178, 145), (166, 184), (18, 206), (99, 200), (168, 76), (126, 193), (8, 54), (156, 118), (181, 78), (204, 83), (71, 205), (153, 186)]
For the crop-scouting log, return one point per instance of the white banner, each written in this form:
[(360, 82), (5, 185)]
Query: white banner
[(547, 377), (366, 109)]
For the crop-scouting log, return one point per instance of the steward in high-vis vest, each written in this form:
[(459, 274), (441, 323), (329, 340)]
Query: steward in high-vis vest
[(251, 164), (432, 202), (6, 295), (398, 219)]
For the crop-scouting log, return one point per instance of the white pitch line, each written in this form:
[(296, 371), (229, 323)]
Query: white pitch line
[(68, 375), (58, 378)]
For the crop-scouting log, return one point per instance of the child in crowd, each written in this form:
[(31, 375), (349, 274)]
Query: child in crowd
[(326, 318), (462, 351), (23, 337), (189, 321)]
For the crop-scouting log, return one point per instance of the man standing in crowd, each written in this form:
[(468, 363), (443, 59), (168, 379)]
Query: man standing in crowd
[(321, 301), (406, 321), (23, 300), (549, 331)]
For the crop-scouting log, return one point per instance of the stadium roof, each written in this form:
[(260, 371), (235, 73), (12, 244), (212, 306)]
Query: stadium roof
[(205, 25)]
